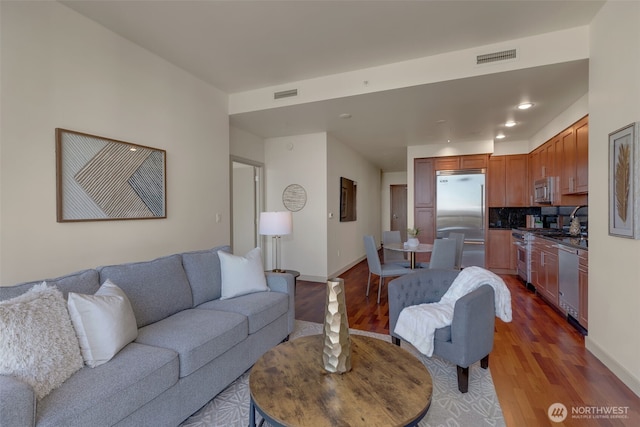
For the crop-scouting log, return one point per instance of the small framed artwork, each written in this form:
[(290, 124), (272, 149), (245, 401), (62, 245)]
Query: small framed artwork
[(101, 179), (348, 193), (624, 172)]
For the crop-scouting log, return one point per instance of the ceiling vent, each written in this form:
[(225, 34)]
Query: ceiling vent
[(285, 94), (496, 56)]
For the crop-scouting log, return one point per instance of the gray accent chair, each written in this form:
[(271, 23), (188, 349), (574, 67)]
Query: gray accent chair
[(379, 269), (469, 338)]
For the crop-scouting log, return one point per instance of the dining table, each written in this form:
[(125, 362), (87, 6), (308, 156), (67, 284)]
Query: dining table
[(412, 250)]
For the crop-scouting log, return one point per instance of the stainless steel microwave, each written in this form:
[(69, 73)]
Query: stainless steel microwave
[(543, 190)]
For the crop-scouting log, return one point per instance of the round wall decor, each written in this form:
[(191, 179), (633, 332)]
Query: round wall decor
[(294, 197)]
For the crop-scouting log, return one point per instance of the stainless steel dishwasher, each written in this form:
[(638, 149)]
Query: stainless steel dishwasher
[(568, 287)]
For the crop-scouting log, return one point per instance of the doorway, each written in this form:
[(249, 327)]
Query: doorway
[(398, 212), (246, 204)]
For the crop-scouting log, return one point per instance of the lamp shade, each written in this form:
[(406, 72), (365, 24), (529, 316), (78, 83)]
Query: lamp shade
[(275, 223)]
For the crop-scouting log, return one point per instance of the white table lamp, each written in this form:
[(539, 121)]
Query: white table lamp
[(276, 224)]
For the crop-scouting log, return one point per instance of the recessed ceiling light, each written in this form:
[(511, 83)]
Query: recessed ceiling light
[(525, 106), (133, 149), (500, 136), (345, 116), (510, 124)]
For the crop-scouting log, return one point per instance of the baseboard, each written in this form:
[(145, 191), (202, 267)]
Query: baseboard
[(618, 370), (348, 267)]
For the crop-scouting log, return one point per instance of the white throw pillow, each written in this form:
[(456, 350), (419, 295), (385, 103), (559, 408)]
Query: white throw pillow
[(37, 341), (104, 322), (242, 275)]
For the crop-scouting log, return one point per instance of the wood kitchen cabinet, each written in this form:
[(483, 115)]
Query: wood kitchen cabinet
[(574, 157), (500, 255), (496, 187), (517, 190), (583, 287), (544, 268), (424, 219), (507, 181), (472, 161), (424, 179)]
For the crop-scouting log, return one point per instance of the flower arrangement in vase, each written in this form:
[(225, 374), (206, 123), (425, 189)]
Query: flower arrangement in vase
[(412, 240)]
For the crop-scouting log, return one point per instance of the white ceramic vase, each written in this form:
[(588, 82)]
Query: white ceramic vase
[(413, 242)]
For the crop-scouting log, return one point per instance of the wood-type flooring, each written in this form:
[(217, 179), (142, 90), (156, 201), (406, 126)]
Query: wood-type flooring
[(538, 359)]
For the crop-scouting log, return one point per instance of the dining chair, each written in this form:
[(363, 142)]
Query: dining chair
[(389, 255), (380, 269), (459, 238), (443, 255)]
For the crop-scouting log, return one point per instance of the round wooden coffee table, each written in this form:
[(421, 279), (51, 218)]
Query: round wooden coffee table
[(387, 386)]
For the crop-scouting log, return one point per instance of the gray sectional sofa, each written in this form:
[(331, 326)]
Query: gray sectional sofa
[(190, 346)]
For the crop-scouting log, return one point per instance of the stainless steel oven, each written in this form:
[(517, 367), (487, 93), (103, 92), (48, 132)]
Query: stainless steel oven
[(522, 241)]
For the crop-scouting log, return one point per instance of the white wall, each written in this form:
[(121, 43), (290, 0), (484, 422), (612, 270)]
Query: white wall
[(345, 246), (614, 270), (300, 159), (388, 179), (60, 69), (246, 145)]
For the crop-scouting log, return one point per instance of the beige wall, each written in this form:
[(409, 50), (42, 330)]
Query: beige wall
[(60, 69), (321, 246), (614, 263), (300, 159), (345, 246)]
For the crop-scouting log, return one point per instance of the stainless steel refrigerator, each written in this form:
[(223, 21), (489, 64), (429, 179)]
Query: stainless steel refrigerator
[(460, 207)]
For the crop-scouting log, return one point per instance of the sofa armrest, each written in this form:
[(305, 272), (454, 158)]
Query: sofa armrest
[(286, 284), (17, 403), (420, 287)]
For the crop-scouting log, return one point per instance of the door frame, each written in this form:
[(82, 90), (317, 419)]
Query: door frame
[(258, 191)]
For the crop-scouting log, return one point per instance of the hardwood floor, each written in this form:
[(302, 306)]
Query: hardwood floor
[(538, 359)]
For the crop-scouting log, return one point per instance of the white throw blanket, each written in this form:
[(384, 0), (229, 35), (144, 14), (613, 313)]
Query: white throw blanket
[(417, 324)]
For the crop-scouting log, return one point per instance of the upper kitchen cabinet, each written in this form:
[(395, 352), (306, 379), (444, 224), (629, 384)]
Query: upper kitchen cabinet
[(516, 193), (474, 161), (507, 181), (574, 158), (424, 183)]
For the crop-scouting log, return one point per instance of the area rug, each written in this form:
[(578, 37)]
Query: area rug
[(449, 407)]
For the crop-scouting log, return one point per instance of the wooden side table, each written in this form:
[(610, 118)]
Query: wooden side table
[(387, 386)]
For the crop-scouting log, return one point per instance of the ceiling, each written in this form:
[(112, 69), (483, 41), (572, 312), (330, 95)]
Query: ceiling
[(244, 45)]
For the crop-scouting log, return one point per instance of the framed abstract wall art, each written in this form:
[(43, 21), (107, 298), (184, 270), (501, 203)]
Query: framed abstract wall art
[(624, 172), (101, 179)]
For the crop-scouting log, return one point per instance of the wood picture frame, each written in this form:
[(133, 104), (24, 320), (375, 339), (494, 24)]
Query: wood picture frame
[(103, 179), (348, 193), (624, 171)]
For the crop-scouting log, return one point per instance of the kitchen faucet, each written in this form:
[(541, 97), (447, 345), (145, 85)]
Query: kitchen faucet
[(574, 227), (573, 214)]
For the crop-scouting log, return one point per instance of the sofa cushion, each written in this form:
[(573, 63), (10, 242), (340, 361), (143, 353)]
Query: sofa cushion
[(37, 341), (242, 274), (85, 282), (203, 271), (260, 308), (198, 336), (156, 289), (134, 377), (104, 323)]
